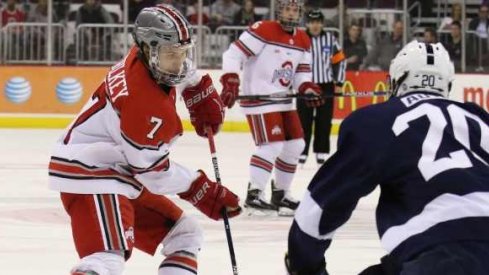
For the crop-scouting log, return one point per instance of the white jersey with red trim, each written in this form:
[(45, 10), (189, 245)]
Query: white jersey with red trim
[(273, 61), (120, 142)]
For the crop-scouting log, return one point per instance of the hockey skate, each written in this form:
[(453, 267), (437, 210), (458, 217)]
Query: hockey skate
[(302, 160), (256, 204), (283, 201), (321, 158)]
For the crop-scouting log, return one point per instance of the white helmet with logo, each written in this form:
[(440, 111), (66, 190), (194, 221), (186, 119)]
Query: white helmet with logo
[(421, 67), (168, 37)]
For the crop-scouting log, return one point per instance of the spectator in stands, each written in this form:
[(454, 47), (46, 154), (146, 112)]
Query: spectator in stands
[(135, 6), (426, 7), (386, 49), (96, 42), (12, 14), (481, 23), (246, 16), (454, 44), (478, 45), (354, 47), (61, 8), (93, 12), (193, 16), (456, 15), (430, 35), (40, 13), (347, 19), (223, 11)]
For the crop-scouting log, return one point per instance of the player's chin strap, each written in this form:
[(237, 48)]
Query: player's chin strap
[(320, 270)]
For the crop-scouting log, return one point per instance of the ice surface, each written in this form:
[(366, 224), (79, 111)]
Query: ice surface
[(35, 236)]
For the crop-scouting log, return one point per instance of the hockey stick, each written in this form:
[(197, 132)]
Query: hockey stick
[(227, 228), (279, 96)]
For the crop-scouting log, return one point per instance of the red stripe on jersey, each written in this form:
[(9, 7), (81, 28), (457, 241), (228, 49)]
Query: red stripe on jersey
[(303, 68), (160, 165), (179, 23), (243, 48), (71, 169)]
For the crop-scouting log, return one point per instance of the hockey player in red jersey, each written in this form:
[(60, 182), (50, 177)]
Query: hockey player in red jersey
[(112, 165), (275, 57)]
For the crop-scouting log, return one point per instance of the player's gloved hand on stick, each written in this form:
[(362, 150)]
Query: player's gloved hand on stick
[(317, 270), (313, 93), (230, 88), (210, 198), (204, 105)]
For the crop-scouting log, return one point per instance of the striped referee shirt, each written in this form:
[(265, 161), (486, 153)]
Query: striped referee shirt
[(328, 59)]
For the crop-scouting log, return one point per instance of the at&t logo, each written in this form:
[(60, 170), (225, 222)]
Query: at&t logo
[(18, 89)]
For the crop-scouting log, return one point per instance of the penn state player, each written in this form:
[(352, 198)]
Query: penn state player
[(429, 155)]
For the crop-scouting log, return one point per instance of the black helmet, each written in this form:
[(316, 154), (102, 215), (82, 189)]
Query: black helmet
[(315, 15)]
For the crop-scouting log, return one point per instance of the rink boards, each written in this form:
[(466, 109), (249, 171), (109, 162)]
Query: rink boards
[(49, 97)]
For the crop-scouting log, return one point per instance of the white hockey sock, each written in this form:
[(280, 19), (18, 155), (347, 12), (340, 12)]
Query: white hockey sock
[(179, 263), (261, 163), (286, 163), (103, 263), (284, 174)]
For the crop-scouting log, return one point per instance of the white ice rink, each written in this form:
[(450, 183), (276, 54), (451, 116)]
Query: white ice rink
[(35, 236)]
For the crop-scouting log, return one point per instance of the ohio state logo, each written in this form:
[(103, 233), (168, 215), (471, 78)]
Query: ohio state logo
[(284, 75)]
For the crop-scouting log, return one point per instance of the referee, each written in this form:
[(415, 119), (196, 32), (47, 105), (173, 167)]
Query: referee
[(329, 65)]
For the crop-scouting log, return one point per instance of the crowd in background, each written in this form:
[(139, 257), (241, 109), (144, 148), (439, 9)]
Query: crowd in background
[(365, 48)]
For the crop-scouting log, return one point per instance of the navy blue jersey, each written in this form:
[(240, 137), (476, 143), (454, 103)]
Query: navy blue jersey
[(430, 157)]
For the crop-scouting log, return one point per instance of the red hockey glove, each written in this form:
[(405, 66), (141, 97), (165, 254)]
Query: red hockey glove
[(230, 88), (210, 198), (313, 93), (204, 105)]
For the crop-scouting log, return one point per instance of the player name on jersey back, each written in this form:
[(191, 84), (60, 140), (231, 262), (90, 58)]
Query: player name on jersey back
[(116, 81)]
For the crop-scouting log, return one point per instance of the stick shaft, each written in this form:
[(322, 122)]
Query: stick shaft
[(279, 96), (227, 227)]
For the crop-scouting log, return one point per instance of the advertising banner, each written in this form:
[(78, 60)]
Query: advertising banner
[(47, 90), (49, 97)]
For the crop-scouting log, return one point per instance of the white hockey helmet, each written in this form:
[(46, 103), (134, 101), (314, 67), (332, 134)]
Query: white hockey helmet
[(421, 67)]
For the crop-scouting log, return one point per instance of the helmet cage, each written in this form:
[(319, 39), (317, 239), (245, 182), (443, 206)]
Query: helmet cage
[(286, 22)]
